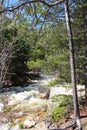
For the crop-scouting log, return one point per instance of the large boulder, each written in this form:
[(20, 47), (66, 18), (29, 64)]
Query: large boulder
[(57, 91)]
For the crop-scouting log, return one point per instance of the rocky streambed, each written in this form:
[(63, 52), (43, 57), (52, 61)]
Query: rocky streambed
[(24, 107), (27, 107)]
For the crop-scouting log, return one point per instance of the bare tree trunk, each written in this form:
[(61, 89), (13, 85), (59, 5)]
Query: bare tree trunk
[(5, 50), (2, 66), (5, 57), (85, 39), (72, 63)]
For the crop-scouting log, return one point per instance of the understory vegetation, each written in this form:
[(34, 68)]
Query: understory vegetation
[(59, 111)]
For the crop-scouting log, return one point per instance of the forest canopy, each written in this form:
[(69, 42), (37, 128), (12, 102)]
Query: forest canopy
[(39, 37)]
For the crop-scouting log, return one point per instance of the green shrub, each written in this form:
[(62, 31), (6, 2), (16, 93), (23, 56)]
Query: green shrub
[(64, 103), (58, 113), (34, 64), (21, 126), (84, 125), (63, 100), (51, 83)]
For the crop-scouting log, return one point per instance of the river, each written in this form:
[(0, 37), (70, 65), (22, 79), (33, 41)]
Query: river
[(24, 106)]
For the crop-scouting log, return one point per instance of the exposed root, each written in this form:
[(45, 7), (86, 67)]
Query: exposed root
[(75, 125)]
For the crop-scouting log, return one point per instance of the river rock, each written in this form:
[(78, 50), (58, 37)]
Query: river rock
[(15, 127), (28, 123), (1, 107), (44, 95), (4, 127), (60, 90)]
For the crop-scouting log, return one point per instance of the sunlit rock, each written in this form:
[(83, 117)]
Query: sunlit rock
[(80, 87), (28, 123), (81, 90), (1, 107), (60, 90), (16, 127), (4, 127)]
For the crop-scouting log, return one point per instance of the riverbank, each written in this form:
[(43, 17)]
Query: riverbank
[(27, 107)]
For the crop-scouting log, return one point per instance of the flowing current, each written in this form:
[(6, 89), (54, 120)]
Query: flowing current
[(24, 105)]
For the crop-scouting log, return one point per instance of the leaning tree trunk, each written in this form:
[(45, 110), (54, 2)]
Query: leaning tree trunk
[(85, 40), (72, 63)]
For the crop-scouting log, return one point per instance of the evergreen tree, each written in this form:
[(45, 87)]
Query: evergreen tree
[(80, 40)]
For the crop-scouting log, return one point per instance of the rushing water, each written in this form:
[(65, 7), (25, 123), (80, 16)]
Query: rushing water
[(24, 104), (28, 105)]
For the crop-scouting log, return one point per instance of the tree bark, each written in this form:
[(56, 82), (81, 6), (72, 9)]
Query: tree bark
[(85, 40), (72, 64), (5, 57)]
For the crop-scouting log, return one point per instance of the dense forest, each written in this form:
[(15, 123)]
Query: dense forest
[(33, 41), (38, 40)]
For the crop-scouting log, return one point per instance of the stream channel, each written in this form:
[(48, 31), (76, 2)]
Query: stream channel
[(24, 107)]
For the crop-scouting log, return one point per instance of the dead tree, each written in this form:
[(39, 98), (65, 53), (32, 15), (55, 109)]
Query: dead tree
[(5, 50), (5, 58)]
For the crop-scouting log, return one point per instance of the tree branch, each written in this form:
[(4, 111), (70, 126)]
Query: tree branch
[(11, 9)]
